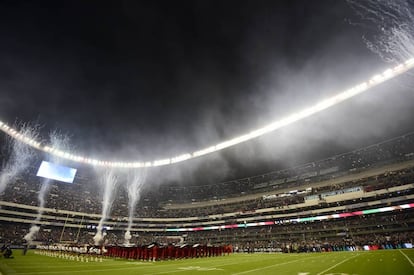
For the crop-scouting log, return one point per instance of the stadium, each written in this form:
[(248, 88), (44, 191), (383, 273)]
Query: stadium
[(322, 186)]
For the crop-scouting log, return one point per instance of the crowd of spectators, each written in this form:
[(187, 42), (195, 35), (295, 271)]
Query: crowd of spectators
[(389, 229), (68, 198), (391, 151), (86, 197)]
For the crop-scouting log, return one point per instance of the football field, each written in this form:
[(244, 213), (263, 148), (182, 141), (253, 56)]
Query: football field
[(393, 262)]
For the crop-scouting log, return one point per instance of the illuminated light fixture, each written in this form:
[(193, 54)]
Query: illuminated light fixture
[(409, 62), (316, 108), (161, 162), (138, 164), (388, 73), (204, 151), (181, 158)]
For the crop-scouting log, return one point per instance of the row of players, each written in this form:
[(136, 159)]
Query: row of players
[(151, 252), (85, 249), (155, 252)]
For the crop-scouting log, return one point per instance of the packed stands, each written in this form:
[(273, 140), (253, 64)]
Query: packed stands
[(277, 211)]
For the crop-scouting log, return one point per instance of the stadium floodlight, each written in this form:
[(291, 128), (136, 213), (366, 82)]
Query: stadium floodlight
[(161, 162), (180, 158), (318, 107)]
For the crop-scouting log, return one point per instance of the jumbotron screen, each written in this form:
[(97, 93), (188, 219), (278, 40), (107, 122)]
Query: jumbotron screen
[(56, 172)]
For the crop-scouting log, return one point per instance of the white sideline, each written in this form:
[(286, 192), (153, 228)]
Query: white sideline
[(332, 267), (408, 259)]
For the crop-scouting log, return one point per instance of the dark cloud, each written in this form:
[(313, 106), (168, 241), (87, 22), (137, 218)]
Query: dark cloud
[(152, 79)]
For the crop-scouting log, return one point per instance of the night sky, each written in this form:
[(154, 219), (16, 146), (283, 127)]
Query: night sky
[(145, 80)]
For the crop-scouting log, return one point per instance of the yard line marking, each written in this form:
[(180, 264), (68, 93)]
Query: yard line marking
[(269, 266), (226, 263), (332, 267), (215, 266), (408, 259)]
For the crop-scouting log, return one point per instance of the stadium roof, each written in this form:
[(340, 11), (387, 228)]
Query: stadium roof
[(309, 111), (144, 83)]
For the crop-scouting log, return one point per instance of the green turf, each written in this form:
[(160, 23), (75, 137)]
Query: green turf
[(395, 262)]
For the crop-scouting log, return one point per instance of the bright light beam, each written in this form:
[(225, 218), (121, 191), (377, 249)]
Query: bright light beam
[(318, 107)]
